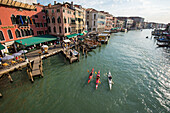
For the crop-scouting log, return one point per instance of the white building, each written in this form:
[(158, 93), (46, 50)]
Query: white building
[(27, 1)]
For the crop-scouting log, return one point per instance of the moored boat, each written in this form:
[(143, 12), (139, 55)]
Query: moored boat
[(90, 75), (97, 79)]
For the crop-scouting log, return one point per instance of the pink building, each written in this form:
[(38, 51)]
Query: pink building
[(19, 20), (109, 22), (60, 19)]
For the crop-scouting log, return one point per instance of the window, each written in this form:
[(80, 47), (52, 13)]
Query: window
[(22, 32), (44, 17), (58, 10), (53, 20), (45, 24), (52, 11), (94, 23), (28, 32), (74, 13), (54, 29), (46, 31), (63, 10), (49, 29), (35, 9), (46, 11), (33, 21), (94, 16), (68, 20), (13, 19), (59, 29), (59, 20), (87, 23), (69, 30), (25, 31), (1, 36), (36, 16), (68, 12), (65, 20), (29, 21), (0, 22), (65, 30), (31, 32), (41, 25), (48, 20), (10, 34), (17, 33)]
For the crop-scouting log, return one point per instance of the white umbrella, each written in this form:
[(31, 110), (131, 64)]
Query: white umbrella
[(44, 46), (16, 54), (23, 51), (7, 57)]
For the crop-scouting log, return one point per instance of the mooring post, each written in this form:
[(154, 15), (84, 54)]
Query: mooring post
[(9, 77), (0, 95), (86, 52)]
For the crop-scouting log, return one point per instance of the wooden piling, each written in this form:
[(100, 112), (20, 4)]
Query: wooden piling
[(9, 77), (0, 95), (83, 50), (86, 52)]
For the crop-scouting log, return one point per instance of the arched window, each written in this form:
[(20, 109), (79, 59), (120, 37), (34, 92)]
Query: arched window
[(69, 30), (54, 29), (68, 20), (65, 30), (26, 33), (60, 29), (17, 33), (49, 29), (22, 32), (1, 36), (13, 19), (53, 20), (48, 20), (65, 20), (29, 20), (59, 20), (31, 32), (10, 34)]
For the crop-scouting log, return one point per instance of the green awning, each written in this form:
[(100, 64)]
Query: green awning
[(1, 47), (80, 39), (86, 31), (71, 36), (81, 34), (36, 40)]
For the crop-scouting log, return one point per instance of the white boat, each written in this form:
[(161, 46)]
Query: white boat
[(110, 80)]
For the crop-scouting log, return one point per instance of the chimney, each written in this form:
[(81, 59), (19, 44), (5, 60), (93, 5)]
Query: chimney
[(72, 5), (49, 5), (55, 2), (38, 3)]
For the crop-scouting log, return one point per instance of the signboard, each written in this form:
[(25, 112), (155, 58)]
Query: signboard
[(6, 27)]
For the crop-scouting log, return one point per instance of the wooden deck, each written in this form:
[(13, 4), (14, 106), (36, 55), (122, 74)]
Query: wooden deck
[(36, 68)]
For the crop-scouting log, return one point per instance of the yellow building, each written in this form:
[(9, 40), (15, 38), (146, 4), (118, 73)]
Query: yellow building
[(80, 17)]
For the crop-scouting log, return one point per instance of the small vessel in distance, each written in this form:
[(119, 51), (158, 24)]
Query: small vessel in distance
[(97, 79), (110, 80), (90, 75)]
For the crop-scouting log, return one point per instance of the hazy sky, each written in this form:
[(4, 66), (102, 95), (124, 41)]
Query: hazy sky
[(151, 10)]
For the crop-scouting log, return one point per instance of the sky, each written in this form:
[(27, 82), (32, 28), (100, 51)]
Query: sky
[(152, 10)]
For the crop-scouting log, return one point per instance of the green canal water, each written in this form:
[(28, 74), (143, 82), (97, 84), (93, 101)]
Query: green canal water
[(140, 70)]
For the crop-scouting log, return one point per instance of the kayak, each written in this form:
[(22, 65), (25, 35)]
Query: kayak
[(110, 80), (97, 79), (90, 75)]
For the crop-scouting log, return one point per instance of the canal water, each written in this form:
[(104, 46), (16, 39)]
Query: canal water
[(140, 70)]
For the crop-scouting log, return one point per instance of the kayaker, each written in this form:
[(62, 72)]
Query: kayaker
[(110, 77)]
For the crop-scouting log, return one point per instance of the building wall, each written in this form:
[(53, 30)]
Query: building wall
[(80, 15), (63, 14), (109, 22), (5, 16), (101, 22)]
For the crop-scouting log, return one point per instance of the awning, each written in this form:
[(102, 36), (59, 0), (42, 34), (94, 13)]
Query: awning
[(80, 39), (80, 34), (71, 36), (36, 40), (86, 31), (1, 46), (9, 43)]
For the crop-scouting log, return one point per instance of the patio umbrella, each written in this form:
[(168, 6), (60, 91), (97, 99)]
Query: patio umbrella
[(23, 51), (7, 57), (44, 46), (16, 54)]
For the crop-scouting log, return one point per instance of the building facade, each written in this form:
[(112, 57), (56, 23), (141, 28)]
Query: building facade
[(60, 19), (80, 16), (21, 22), (96, 20)]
